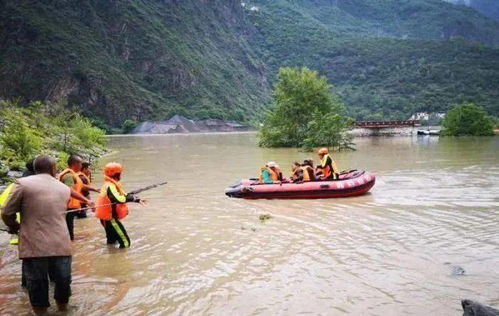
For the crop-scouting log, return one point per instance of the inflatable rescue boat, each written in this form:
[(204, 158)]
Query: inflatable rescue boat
[(350, 183)]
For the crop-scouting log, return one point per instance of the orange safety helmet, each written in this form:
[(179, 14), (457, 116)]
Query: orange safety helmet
[(323, 151), (112, 168)]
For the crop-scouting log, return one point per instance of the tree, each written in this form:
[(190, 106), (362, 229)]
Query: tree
[(129, 126), (18, 139), (45, 128), (467, 119), (305, 113)]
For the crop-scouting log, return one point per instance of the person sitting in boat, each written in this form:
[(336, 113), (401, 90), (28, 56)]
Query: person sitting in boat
[(327, 169), (270, 174), (307, 168), (296, 172)]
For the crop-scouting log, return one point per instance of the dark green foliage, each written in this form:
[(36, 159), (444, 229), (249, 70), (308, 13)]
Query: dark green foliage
[(489, 8), (467, 120), (378, 77), (45, 128), (136, 60), (129, 126), (148, 60), (305, 114)]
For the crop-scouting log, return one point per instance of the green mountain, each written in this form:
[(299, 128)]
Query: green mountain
[(149, 59), (406, 19), (119, 59), (488, 8), (378, 76)]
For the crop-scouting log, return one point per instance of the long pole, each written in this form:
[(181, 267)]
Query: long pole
[(87, 208), (149, 187)]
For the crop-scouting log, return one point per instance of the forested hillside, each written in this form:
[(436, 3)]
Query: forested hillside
[(488, 8), (132, 59), (150, 59), (420, 19), (378, 77)]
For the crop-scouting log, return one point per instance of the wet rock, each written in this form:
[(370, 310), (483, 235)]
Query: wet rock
[(14, 174), (457, 271), (472, 308)]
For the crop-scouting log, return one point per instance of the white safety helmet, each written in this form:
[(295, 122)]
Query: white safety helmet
[(272, 164)]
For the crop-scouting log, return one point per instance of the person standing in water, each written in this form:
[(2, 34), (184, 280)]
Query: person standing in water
[(111, 206), (44, 243), (86, 177), (71, 178)]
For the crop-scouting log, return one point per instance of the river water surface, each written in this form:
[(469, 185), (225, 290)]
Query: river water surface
[(396, 251)]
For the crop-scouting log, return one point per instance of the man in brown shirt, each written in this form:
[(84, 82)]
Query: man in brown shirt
[(44, 243)]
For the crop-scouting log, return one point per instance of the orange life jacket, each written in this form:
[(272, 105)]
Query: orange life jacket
[(77, 187), (274, 175), (329, 171), (306, 175), (103, 207), (295, 172)]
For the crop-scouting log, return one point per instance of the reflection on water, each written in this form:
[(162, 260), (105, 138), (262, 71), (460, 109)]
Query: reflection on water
[(194, 251)]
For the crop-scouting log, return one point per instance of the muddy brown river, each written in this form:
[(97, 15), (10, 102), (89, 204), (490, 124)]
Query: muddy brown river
[(395, 251)]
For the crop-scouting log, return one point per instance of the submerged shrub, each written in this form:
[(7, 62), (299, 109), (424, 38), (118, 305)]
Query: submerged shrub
[(305, 113), (467, 120)]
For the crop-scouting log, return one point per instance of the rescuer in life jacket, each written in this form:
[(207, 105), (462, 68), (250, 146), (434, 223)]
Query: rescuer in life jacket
[(111, 205), (270, 174), (327, 169), (70, 177), (296, 172), (303, 172), (308, 170), (86, 177), (3, 199)]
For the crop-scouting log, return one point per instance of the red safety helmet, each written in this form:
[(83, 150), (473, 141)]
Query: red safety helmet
[(112, 169)]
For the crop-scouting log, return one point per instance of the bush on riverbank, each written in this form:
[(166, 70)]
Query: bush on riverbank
[(305, 113), (44, 128), (467, 119)]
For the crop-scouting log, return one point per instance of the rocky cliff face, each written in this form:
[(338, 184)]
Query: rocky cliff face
[(150, 59), (132, 59)]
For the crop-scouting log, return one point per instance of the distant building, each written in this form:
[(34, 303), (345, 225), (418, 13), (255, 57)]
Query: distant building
[(424, 116), (420, 116)]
